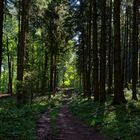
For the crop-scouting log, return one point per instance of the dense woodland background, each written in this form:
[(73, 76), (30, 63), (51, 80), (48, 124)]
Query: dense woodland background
[(88, 46)]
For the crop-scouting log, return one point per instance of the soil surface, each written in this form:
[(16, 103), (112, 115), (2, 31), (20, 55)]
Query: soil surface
[(68, 128), (43, 127)]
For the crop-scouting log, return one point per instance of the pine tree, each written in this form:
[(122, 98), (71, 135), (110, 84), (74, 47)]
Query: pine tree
[(95, 53), (118, 83), (135, 51), (103, 52)]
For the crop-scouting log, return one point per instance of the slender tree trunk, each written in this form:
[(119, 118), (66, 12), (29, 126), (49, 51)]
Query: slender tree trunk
[(9, 68), (130, 49), (110, 55), (118, 83), (22, 48), (51, 57), (123, 50), (20, 52), (83, 52), (89, 51), (126, 60), (135, 51), (95, 54), (51, 75), (83, 66), (27, 10), (103, 52), (54, 75)]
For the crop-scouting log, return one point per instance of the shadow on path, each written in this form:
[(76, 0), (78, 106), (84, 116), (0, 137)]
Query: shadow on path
[(70, 128), (67, 126)]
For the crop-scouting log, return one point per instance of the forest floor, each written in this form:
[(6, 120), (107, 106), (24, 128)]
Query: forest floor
[(71, 118), (66, 127)]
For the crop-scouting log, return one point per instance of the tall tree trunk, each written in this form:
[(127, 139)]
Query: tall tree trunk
[(52, 56), (89, 51), (130, 48), (83, 51), (22, 48), (83, 65), (103, 52), (123, 49), (118, 84), (27, 22), (1, 30), (51, 74), (135, 51), (110, 53), (95, 54), (126, 60), (54, 75), (9, 68)]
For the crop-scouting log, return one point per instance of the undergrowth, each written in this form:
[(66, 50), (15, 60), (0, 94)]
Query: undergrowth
[(120, 122), (116, 122), (20, 124)]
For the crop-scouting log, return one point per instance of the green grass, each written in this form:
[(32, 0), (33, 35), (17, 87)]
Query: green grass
[(20, 124), (116, 122)]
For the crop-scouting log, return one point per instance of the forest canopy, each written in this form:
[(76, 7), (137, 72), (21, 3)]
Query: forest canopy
[(88, 45)]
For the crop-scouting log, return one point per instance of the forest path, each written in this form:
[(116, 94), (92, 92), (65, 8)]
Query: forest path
[(67, 127), (70, 128)]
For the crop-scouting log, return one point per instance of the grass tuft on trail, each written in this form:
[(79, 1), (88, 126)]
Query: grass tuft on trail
[(116, 122)]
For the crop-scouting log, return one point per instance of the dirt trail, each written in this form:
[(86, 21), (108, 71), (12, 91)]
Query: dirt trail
[(43, 126), (70, 128), (67, 126)]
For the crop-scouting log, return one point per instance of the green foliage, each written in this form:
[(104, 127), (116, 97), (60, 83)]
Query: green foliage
[(17, 123), (116, 122), (70, 74), (10, 34), (21, 123)]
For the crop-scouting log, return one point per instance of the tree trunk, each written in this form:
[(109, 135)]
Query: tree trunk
[(130, 49), (126, 57), (51, 75), (110, 53), (95, 54), (135, 51), (103, 52), (89, 51), (118, 83), (9, 68), (83, 50), (22, 47), (54, 75)]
